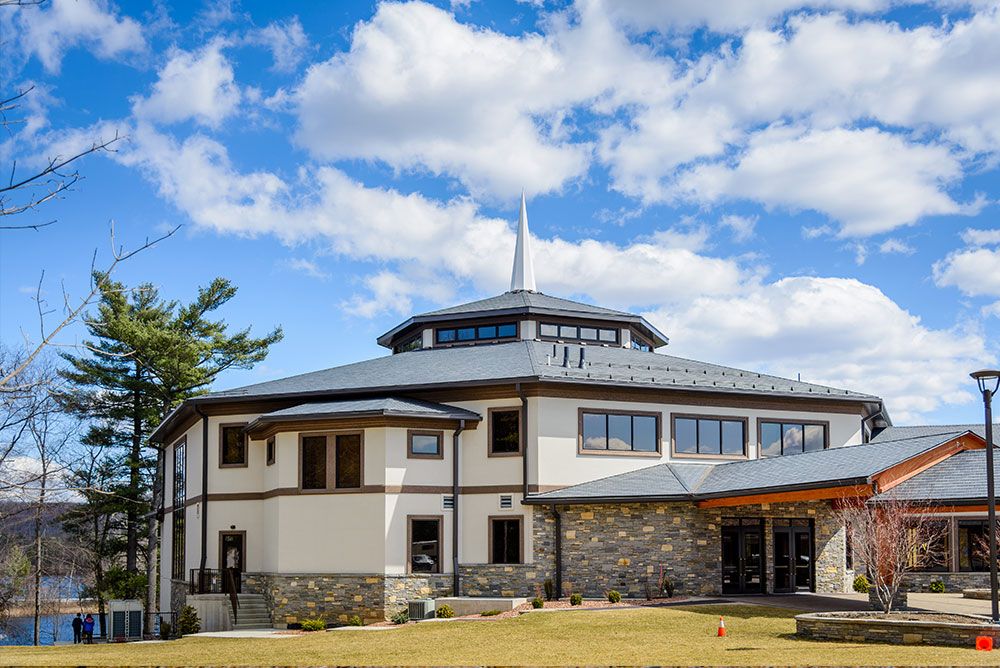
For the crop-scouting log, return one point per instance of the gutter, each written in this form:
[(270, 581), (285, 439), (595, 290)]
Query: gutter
[(204, 498), (456, 583)]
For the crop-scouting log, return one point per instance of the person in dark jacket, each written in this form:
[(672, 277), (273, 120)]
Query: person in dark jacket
[(77, 629), (88, 629)]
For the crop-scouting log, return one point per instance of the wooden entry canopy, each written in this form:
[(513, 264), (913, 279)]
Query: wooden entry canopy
[(877, 483)]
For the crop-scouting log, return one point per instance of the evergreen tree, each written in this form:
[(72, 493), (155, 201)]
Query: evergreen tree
[(144, 357)]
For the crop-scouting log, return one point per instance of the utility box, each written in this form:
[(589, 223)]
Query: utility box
[(423, 608), (124, 620)]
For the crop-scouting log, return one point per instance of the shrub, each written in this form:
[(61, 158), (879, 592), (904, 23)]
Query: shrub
[(614, 596), (444, 612), (667, 587), (489, 613), (355, 621), (401, 617), (861, 584), (537, 603), (187, 621), (313, 624), (576, 599), (937, 586), (550, 590), (165, 630)]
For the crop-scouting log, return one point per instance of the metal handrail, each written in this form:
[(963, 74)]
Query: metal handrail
[(234, 599)]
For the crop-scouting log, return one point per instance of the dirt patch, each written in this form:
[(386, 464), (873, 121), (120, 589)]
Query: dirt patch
[(937, 617)]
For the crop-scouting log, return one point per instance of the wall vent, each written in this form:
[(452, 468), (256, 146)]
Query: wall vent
[(448, 502), (506, 502)]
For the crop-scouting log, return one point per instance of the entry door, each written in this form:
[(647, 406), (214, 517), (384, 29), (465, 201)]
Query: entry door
[(232, 556), (793, 555), (742, 556)]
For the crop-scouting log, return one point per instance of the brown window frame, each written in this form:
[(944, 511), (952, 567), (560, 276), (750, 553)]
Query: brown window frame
[(760, 427), (520, 429), (243, 549), (476, 339), (410, 433), (270, 450), (720, 418), (520, 543), (331, 462), (409, 542), (178, 515), (246, 445), (580, 450)]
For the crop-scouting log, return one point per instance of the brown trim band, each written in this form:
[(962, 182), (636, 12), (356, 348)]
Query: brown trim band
[(263, 431)]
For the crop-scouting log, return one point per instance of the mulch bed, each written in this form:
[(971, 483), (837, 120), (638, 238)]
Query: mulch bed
[(903, 616)]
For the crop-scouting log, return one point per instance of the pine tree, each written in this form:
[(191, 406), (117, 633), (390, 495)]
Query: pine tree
[(145, 356)]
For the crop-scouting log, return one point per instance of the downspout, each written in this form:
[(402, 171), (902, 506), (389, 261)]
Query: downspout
[(456, 580), (524, 441), (558, 574), (204, 499)]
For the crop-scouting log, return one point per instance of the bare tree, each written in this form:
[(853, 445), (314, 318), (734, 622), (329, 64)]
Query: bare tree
[(890, 538)]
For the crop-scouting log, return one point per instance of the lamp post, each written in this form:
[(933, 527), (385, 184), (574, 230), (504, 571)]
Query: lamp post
[(985, 379)]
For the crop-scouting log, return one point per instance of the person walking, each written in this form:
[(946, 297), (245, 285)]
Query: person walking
[(88, 629), (77, 629)]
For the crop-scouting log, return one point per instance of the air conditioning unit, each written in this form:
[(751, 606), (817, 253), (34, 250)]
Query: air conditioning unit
[(125, 620), (423, 608)]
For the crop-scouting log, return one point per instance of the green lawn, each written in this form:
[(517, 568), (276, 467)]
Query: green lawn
[(757, 635)]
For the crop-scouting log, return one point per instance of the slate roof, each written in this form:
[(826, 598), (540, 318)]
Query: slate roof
[(895, 433), (366, 407), (960, 478), (524, 302), (521, 361), (850, 465)]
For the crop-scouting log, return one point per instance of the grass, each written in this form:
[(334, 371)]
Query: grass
[(758, 635)]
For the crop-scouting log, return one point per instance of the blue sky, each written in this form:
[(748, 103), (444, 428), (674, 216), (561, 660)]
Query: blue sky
[(795, 187)]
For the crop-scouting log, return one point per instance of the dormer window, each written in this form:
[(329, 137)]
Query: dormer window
[(490, 332)]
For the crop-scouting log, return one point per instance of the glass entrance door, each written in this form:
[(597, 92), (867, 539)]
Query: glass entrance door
[(742, 556), (793, 555)]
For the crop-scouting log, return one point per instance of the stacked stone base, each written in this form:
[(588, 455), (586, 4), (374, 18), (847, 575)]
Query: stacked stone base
[(821, 627)]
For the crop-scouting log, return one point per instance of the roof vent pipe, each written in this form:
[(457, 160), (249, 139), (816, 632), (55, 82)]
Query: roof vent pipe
[(566, 357), (583, 360)]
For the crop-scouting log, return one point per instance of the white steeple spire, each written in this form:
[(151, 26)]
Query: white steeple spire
[(523, 275)]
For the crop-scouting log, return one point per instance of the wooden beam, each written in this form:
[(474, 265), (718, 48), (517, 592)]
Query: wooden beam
[(903, 471), (841, 492)]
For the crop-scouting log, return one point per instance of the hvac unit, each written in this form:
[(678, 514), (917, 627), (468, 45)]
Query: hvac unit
[(125, 620), (423, 608)]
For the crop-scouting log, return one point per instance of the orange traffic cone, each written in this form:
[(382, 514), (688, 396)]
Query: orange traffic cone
[(722, 627)]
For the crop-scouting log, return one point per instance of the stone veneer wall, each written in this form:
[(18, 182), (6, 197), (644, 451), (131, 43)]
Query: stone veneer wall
[(338, 597), (178, 595), (625, 546), (953, 582)]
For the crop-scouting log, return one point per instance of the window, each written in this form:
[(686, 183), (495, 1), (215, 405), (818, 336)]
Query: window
[(270, 451), (619, 432), (424, 544), (640, 344), (232, 445), (504, 432), (712, 437), (786, 438), (505, 540), (548, 330), (424, 444), (972, 537), (331, 462), (178, 513), (492, 332), (932, 556)]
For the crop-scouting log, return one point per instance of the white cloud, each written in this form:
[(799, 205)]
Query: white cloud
[(974, 271), (975, 237), (286, 40), (307, 267), (742, 227), (421, 91), (48, 31), (992, 310), (869, 180), (833, 331), (896, 247), (192, 85), (720, 15)]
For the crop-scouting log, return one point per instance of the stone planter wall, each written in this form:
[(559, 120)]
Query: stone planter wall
[(816, 626), (953, 582)]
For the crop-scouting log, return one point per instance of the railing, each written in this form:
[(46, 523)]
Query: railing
[(212, 581)]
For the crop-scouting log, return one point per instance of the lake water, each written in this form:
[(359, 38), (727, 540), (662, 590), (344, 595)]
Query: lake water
[(54, 628)]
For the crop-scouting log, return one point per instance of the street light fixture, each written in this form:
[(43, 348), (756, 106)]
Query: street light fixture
[(989, 383)]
